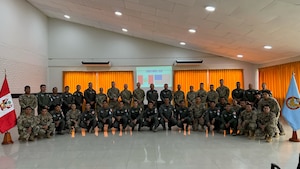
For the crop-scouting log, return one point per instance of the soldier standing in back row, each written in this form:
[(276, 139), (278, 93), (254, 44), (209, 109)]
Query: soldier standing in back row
[(113, 95), (223, 91), (202, 93), (178, 96), (191, 96), (166, 93), (212, 95), (100, 97), (90, 95), (78, 98), (152, 95), (238, 93), (27, 99), (67, 100), (126, 97), (43, 99), (56, 99), (250, 94), (139, 95)]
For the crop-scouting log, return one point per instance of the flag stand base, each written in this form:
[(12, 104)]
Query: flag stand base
[(294, 137), (7, 139)]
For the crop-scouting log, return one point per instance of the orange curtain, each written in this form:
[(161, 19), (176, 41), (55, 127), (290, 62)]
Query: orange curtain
[(278, 78), (99, 79), (72, 79), (187, 78), (194, 77), (230, 76)]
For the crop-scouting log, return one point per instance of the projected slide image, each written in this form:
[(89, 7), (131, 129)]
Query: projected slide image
[(156, 75)]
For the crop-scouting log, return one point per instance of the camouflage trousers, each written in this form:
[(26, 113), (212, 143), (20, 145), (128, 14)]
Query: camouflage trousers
[(198, 121), (43, 132), (269, 130), (248, 126), (24, 134)]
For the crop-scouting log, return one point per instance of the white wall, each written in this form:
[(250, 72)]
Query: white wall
[(71, 43), (23, 45)]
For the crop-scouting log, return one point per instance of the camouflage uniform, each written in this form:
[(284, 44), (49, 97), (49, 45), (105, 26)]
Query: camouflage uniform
[(25, 122), (269, 121), (198, 115), (202, 94), (126, 97), (223, 91), (212, 95), (247, 121), (27, 100), (139, 95), (71, 117), (43, 101), (178, 96), (274, 107), (191, 96), (46, 120), (100, 97), (113, 93)]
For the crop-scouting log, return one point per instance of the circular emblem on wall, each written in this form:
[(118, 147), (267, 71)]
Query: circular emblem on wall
[(292, 103)]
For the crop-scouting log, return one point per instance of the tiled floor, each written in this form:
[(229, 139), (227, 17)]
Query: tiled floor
[(145, 149)]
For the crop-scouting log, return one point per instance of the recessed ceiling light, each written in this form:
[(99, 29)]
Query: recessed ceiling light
[(124, 30), (192, 30), (268, 47), (182, 43), (210, 8), (239, 56), (67, 16), (118, 13)]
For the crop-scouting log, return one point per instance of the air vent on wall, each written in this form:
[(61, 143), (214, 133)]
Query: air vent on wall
[(188, 62), (94, 63)]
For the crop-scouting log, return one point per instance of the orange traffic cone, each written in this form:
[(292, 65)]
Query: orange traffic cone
[(7, 139)]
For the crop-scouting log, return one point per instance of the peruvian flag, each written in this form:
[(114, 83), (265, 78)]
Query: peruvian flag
[(7, 111)]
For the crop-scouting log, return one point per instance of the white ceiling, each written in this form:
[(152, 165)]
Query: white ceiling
[(236, 27)]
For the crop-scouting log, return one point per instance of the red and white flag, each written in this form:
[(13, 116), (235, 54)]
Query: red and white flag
[(8, 117)]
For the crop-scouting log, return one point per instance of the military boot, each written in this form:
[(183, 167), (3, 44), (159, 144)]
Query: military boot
[(269, 139)]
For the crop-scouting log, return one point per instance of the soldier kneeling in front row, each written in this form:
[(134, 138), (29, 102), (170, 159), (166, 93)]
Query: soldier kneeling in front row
[(73, 118), (183, 115), (88, 118), (58, 119), (46, 124), (27, 125), (105, 116), (229, 120), (150, 117)]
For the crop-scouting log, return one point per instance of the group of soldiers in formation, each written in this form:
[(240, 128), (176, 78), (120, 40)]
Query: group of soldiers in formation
[(252, 113)]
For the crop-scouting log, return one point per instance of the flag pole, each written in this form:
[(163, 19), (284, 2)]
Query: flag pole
[(294, 137), (7, 137)]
